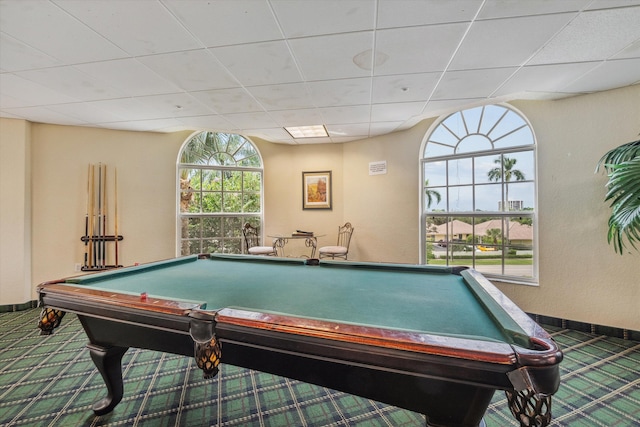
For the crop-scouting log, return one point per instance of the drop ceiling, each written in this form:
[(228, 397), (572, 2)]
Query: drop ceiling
[(360, 67)]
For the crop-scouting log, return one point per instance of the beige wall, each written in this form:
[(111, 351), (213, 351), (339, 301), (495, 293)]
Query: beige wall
[(384, 208), (15, 211), (581, 278), (283, 169), (146, 171)]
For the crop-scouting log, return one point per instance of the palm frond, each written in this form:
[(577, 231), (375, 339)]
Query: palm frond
[(623, 191), (623, 153)]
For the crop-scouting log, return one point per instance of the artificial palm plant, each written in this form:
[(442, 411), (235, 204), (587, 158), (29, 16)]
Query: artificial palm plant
[(622, 165)]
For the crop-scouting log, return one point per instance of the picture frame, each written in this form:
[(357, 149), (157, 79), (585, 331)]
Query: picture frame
[(316, 190)]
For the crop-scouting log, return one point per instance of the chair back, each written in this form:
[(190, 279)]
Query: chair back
[(251, 237), (344, 235)]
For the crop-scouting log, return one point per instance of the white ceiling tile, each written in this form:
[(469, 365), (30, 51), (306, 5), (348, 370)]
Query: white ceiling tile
[(510, 8), (45, 115), (71, 81), (394, 13), (346, 114), (416, 49), (191, 70), (631, 51), (8, 115), (259, 63), (87, 112), (263, 64), (175, 105), (222, 23), (309, 141), (472, 83), (157, 125), (404, 88), (604, 4), (280, 97), (130, 108), (251, 120), (445, 106), (305, 18), (210, 122), (52, 30), (137, 27), (222, 101), (16, 56), (608, 75), (334, 56), (8, 101), (129, 76), (506, 42), (592, 36), (272, 134), (395, 112), (348, 130), (345, 139), (545, 78), (381, 128), (341, 92), (297, 117), (27, 93)]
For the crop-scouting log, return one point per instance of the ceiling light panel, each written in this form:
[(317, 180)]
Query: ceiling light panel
[(314, 131)]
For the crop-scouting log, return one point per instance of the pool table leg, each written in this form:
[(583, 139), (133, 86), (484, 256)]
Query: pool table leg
[(108, 360), (529, 408)]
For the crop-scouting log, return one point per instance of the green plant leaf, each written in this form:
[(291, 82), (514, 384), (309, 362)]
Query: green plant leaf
[(623, 191)]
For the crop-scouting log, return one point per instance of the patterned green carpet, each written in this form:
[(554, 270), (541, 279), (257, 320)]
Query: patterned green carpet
[(51, 381)]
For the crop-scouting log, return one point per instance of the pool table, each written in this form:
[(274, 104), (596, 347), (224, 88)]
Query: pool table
[(435, 340)]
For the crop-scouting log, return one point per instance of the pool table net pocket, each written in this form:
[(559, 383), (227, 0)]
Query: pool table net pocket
[(529, 408), (208, 357), (208, 350), (50, 319)]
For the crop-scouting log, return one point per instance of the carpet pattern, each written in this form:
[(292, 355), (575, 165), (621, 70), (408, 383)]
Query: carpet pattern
[(51, 381)]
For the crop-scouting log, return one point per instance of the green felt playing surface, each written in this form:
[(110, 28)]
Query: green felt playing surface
[(406, 298)]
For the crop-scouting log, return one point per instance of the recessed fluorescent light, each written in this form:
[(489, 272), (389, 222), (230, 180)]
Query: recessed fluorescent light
[(314, 131)]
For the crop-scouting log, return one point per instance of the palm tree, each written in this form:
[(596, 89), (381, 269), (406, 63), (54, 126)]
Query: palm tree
[(431, 194), (504, 172), (622, 165), (493, 234)]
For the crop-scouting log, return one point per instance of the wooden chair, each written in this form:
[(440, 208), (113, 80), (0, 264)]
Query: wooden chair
[(252, 242), (341, 249)]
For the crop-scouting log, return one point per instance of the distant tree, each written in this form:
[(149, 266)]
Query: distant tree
[(492, 235), (431, 194), (505, 172)]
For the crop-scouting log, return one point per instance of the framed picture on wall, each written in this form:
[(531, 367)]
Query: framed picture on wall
[(316, 190)]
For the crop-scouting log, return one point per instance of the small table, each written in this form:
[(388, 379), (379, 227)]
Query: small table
[(310, 241), (435, 340)]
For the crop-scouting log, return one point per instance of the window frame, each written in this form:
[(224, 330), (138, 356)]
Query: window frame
[(424, 214), (244, 216)]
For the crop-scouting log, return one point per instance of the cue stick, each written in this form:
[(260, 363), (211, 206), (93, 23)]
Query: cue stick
[(104, 220), (99, 242), (91, 213), (115, 207), (86, 221)]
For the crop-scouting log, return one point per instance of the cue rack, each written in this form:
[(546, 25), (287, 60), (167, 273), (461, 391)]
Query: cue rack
[(100, 247)]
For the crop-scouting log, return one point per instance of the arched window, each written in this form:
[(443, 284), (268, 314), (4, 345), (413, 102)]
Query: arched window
[(478, 195), (220, 181)]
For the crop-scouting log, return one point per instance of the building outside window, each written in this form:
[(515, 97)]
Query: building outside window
[(478, 193), (220, 180)]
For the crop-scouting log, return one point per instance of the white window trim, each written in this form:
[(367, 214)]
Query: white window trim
[(423, 215), (179, 165)]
